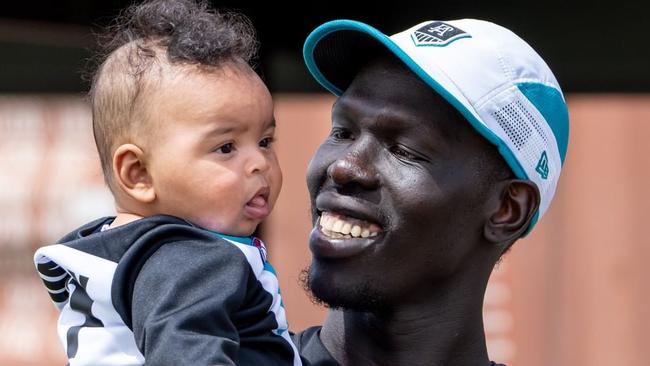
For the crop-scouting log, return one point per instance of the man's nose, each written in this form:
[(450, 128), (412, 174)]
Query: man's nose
[(355, 167)]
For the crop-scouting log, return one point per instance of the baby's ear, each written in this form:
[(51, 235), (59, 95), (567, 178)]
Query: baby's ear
[(131, 174), (517, 206)]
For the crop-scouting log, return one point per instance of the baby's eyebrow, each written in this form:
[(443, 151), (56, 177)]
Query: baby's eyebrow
[(222, 130)]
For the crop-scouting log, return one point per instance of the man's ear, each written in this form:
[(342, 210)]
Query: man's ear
[(131, 174), (519, 202)]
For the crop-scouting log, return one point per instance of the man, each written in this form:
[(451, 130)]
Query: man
[(446, 146)]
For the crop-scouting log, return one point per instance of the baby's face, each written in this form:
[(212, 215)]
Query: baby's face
[(211, 156)]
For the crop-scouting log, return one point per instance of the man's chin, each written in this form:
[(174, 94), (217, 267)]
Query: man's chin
[(353, 295)]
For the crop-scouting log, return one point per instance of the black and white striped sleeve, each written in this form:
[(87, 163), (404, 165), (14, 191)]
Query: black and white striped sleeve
[(54, 278)]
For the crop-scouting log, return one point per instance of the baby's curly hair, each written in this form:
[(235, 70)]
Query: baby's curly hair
[(144, 40)]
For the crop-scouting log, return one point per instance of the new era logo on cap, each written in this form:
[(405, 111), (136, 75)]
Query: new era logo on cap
[(437, 34), (542, 166)]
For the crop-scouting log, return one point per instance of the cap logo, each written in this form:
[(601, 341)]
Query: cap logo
[(437, 34), (542, 166)]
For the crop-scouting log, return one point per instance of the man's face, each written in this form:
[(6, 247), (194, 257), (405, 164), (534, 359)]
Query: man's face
[(397, 204)]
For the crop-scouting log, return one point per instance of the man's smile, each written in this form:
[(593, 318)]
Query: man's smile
[(344, 226), (338, 226)]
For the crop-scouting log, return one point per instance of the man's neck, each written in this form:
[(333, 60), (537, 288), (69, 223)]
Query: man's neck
[(447, 330)]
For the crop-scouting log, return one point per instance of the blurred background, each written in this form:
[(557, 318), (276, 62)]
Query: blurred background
[(574, 292)]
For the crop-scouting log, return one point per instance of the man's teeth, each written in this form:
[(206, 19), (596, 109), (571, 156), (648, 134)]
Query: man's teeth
[(338, 227)]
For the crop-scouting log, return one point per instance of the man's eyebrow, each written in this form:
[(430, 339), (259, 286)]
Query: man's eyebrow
[(340, 105), (390, 121)]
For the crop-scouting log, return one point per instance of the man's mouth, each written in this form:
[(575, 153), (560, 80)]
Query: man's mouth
[(339, 226)]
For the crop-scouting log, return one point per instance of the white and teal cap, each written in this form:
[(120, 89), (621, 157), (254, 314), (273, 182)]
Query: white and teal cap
[(490, 75)]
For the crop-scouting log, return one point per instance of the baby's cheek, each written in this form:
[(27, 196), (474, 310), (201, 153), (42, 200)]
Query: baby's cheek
[(275, 193)]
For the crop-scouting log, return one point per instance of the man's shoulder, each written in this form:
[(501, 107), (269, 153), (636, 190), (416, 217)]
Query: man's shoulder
[(313, 352), (311, 349), (301, 339)]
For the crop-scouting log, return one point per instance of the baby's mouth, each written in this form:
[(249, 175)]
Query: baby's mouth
[(258, 206), (257, 201), (338, 226)]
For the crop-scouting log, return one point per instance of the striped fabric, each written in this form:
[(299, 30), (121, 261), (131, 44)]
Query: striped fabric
[(89, 275), (55, 280)]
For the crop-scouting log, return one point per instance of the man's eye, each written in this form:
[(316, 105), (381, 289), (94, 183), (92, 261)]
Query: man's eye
[(403, 153), (225, 148), (341, 134), (267, 141)]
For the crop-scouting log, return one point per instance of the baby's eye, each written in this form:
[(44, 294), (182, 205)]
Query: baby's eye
[(225, 148), (266, 142)]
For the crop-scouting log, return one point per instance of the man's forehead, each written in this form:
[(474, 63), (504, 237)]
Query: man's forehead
[(388, 122), (385, 66), (388, 80), (388, 86), (392, 100), (367, 108)]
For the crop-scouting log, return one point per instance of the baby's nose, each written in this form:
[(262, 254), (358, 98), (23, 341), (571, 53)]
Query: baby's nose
[(257, 161)]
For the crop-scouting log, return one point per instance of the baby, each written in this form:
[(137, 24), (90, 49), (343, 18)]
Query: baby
[(184, 128)]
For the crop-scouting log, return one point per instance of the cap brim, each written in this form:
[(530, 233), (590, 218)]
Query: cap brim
[(335, 51)]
